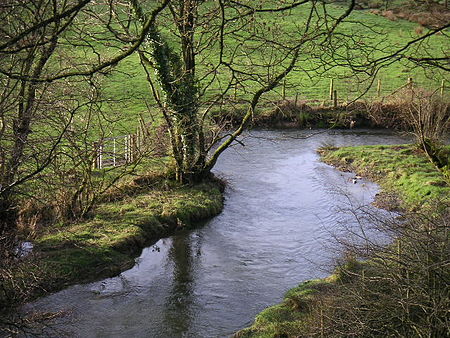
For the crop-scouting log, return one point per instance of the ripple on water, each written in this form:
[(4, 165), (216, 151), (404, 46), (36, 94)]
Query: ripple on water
[(275, 230)]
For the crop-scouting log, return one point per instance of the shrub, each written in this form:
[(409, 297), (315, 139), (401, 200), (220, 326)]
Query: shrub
[(402, 289)]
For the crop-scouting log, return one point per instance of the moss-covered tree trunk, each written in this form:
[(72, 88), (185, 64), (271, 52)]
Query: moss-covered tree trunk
[(174, 65), (175, 73)]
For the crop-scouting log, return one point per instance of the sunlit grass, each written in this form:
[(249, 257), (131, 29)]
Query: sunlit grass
[(82, 250), (128, 85), (290, 316), (403, 169)]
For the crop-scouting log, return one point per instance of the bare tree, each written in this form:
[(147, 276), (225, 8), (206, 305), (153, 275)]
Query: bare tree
[(198, 53), (51, 53), (24, 103)]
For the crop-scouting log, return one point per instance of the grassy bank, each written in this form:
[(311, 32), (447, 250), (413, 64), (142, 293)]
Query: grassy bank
[(292, 315), (403, 171), (318, 308), (131, 217)]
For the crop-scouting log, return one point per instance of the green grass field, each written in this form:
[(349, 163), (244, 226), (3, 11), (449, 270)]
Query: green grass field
[(127, 85)]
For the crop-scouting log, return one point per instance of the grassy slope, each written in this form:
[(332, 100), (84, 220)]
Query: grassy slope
[(401, 169), (143, 211), (128, 83), (289, 317)]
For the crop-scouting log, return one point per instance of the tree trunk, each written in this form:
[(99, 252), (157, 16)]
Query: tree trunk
[(8, 214), (190, 151), (33, 65)]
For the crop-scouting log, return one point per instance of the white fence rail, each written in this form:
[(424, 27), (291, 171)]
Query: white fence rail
[(114, 151), (121, 150)]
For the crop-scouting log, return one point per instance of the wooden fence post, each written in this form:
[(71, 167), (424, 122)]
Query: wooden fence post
[(283, 91), (95, 150), (410, 82), (442, 87), (138, 139), (100, 156), (125, 152), (335, 103), (133, 147), (130, 149), (331, 89), (114, 152), (379, 88)]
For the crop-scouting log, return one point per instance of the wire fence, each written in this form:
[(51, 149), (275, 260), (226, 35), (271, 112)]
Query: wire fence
[(120, 150), (124, 149), (340, 91)]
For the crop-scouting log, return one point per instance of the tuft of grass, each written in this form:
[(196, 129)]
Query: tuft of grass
[(400, 169), (290, 316)]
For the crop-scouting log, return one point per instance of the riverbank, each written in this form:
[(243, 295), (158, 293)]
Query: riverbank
[(293, 113), (409, 181), (130, 218)]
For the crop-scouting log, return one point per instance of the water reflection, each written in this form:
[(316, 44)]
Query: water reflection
[(212, 281), (180, 302)]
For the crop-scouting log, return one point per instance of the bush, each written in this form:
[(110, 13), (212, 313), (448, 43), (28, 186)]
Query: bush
[(402, 289)]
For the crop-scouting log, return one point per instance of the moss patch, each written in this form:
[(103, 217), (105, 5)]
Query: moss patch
[(289, 317)]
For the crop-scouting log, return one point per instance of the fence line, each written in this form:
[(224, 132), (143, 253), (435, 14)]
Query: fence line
[(124, 149), (322, 92), (334, 93), (120, 150)]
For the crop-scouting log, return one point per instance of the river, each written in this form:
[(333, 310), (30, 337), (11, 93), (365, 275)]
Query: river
[(276, 230)]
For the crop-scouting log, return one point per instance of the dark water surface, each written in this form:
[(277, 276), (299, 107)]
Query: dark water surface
[(274, 232)]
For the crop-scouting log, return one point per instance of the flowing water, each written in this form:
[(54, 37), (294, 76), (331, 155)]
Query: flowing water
[(276, 230)]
